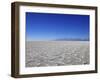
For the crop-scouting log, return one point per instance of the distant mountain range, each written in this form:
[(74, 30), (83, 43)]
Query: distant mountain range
[(65, 39)]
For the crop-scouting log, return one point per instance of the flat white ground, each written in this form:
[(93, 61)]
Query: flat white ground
[(56, 53)]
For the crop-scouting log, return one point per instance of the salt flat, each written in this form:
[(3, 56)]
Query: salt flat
[(56, 53)]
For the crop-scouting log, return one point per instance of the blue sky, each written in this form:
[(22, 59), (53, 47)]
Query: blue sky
[(47, 26)]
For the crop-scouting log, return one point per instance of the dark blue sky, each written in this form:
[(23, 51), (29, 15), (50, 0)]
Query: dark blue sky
[(46, 26)]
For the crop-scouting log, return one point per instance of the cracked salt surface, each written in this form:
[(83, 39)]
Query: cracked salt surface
[(56, 53)]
